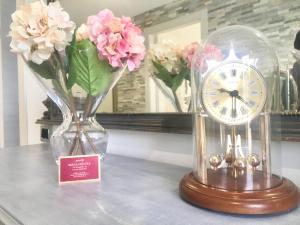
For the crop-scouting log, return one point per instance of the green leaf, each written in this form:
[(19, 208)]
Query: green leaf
[(44, 69), (69, 51), (177, 81), (72, 45), (86, 70), (186, 72), (163, 74), (71, 75), (172, 81)]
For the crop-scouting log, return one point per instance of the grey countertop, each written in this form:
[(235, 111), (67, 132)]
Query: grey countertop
[(132, 192)]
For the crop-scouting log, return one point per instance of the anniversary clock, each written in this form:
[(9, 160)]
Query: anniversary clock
[(237, 149)]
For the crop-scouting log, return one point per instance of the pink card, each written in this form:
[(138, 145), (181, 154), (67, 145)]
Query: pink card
[(81, 168)]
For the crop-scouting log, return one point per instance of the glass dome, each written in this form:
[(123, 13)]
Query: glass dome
[(235, 87)]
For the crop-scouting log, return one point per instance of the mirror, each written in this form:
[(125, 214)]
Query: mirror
[(171, 26), (168, 66), (289, 60)]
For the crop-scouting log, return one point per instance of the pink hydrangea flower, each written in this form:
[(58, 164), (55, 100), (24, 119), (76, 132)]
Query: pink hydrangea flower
[(118, 40), (189, 51), (208, 53)]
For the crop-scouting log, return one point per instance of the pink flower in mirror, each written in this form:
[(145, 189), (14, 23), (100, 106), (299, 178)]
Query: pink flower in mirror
[(209, 53), (189, 51)]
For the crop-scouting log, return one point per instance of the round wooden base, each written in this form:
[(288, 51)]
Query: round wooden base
[(279, 199)]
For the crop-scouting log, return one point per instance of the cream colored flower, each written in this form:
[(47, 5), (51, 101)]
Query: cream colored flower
[(82, 33), (168, 54), (37, 30)]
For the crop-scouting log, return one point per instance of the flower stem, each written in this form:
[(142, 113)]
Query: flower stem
[(88, 106), (77, 141), (78, 126), (89, 139), (74, 145), (81, 146), (177, 103), (87, 111), (190, 106)]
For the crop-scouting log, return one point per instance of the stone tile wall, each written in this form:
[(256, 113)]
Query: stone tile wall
[(279, 20), (131, 93)]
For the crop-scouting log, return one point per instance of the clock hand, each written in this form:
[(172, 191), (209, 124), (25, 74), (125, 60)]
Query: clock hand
[(234, 112), (236, 95), (233, 107), (222, 90), (242, 100)]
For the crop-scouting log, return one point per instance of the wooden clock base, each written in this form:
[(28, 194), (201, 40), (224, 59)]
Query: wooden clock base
[(279, 199)]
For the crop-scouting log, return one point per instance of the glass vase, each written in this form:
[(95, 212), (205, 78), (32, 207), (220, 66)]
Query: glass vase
[(179, 99), (79, 133)]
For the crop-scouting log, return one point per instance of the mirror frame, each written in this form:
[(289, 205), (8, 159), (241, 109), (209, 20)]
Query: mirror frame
[(176, 123)]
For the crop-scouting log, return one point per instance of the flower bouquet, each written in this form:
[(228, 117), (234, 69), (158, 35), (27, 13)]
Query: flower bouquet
[(170, 66), (77, 66)]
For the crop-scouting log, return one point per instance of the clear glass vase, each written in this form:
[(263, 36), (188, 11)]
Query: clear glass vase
[(179, 99), (79, 133)]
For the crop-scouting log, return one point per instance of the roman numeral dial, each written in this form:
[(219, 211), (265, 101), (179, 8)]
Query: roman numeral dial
[(234, 93)]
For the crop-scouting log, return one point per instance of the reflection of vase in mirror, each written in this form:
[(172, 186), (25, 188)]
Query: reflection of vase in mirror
[(288, 75), (168, 65), (170, 71), (296, 70), (179, 99), (289, 92)]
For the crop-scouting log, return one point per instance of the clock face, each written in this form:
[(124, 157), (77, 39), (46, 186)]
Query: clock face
[(233, 93)]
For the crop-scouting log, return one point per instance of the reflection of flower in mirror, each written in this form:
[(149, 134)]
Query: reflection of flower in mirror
[(208, 57), (189, 51), (171, 65), (168, 54)]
